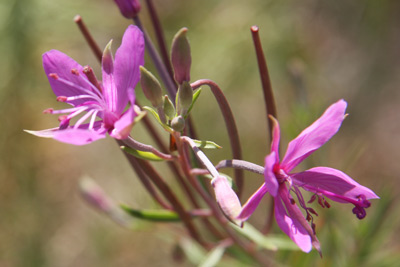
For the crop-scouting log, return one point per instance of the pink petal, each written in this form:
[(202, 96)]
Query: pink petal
[(252, 203), (270, 179), (59, 63), (78, 136), (291, 227), (123, 126), (314, 136), (276, 134), (109, 89), (128, 58), (333, 181), (48, 133)]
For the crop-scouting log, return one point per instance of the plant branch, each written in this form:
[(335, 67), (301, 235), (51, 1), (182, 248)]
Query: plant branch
[(162, 71), (230, 126)]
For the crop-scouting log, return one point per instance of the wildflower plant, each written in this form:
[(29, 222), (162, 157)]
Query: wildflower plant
[(214, 199)]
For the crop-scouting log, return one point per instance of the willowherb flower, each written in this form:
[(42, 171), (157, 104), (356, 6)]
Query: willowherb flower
[(103, 104), (324, 182)]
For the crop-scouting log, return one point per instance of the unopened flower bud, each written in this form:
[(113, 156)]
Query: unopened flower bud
[(178, 123), (180, 57), (129, 8), (169, 108), (151, 87), (185, 98), (227, 199)]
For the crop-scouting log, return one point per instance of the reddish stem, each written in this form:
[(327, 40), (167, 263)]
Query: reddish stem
[(89, 39), (160, 38), (230, 126), (269, 102)]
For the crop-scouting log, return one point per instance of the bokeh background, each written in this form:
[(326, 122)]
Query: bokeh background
[(317, 52)]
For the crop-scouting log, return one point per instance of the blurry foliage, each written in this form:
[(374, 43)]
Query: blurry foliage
[(317, 51)]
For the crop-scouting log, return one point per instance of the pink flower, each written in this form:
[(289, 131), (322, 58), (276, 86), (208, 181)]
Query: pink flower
[(102, 104), (324, 182)]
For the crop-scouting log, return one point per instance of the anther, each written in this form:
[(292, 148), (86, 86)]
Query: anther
[(311, 210), (48, 111), (54, 76), (88, 71), (75, 71), (320, 201), (312, 199), (327, 204), (292, 201), (61, 98), (62, 118)]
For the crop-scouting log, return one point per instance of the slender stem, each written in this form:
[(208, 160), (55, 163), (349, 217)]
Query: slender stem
[(162, 71), (143, 178), (230, 126), (240, 164), (132, 143), (265, 80), (160, 38), (168, 193), (202, 157), (88, 37), (269, 102)]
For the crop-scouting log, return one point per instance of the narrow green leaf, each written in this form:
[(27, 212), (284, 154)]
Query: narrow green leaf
[(268, 242), (155, 115), (152, 215), (206, 144), (141, 154), (196, 95), (194, 253), (213, 257)]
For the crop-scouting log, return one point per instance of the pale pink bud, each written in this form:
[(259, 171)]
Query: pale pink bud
[(227, 199), (129, 8), (180, 57)]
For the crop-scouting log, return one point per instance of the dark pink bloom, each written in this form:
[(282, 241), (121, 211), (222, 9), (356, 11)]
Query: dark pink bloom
[(103, 104), (129, 8), (324, 182)]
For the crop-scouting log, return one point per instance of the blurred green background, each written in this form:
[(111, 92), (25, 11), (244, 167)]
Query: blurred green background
[(317, 52)]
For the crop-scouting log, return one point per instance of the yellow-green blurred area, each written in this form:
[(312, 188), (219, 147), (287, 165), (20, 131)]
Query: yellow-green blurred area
[(317, 52)]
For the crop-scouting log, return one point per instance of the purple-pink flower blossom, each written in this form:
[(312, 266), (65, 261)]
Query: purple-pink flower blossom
[(324, 182), (103, 104)]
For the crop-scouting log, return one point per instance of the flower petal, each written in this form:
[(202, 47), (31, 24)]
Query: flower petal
[(292, 227), (270, 179), (110, 91), (252, 203), (128, 58), (314, 136), (276, 135), (59, 63), (78, 136), (123, 126), (48, 133), (333, 181)]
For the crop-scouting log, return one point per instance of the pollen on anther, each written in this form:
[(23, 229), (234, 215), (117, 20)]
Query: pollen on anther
[(48, 111), (62, 118), (75, 71), (54, 76), (61, 98)]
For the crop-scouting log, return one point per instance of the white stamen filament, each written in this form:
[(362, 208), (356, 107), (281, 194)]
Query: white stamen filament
[(89, 92), (83, 118), (93, 119)]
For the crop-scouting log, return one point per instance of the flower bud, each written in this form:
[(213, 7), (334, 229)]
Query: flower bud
[(169, 108), (178, 123), (227, 199), (151, 87), (180, 57), (185, 98), (129, 8)]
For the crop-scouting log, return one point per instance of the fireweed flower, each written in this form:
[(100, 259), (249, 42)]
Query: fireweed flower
[(77, 86), (324, 182)]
